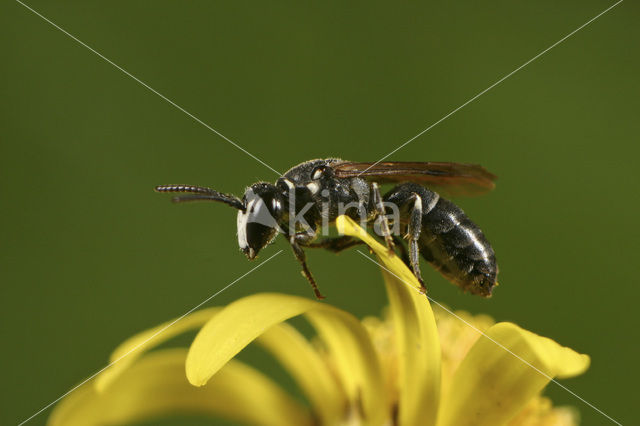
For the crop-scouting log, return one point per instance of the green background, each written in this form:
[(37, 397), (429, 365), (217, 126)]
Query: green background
[(90, 255)]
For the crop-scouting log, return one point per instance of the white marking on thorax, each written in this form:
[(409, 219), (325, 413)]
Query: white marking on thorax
[(314, 187), (289, 183)]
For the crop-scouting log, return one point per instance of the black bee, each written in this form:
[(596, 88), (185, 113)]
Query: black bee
[(310, 196)]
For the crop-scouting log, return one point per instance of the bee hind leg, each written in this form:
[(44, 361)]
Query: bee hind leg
[(414, 229), (404, 254)]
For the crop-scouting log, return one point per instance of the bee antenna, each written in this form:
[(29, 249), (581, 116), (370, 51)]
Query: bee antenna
[(201, 193), (185, 188)]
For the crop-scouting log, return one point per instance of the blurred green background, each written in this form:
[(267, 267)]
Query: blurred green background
[(90, 255)]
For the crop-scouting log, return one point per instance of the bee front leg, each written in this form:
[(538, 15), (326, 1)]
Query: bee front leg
[(382, 216), (295, 240), (336, 244)]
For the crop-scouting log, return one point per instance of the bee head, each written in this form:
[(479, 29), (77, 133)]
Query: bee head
[(258, 221)]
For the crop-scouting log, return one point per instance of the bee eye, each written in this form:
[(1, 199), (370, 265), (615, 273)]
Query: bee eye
[(317, 172)]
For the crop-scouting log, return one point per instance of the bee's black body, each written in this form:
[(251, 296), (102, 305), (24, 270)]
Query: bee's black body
[(329, 188), (449, 240), (315, 191)]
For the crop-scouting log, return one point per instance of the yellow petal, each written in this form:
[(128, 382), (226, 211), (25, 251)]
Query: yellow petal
[(458, 333), (136, 346), (415, 326), (283, 341), (308, 369), (493, 383), (156, 386), (346, 225), (541, 412), (244, 320), (383, 336)]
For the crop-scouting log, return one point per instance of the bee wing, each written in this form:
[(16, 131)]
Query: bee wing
[(454, 179)]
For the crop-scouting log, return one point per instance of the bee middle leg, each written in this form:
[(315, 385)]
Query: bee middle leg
[(296, 240), (382, 216)]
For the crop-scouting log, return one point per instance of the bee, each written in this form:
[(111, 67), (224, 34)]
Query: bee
[(313, 194)]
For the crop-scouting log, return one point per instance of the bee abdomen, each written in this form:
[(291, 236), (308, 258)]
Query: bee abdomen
[(449, 240), (456, 246)]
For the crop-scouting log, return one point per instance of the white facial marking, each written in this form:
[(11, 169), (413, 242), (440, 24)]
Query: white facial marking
[(243, 218), (317, 174), (255, 212)]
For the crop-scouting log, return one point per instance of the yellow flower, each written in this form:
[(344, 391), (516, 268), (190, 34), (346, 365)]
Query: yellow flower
[(415, 366)]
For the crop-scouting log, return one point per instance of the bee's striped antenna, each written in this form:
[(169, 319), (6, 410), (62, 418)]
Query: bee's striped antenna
[(201, 193), (186, 188)]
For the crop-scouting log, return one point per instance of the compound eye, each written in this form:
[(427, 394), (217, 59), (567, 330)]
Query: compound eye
[(318, 172)]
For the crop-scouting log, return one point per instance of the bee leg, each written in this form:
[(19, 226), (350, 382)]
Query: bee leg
[(413, 234), (295, 241), (382, 216), (336, 244), (404, 254)]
